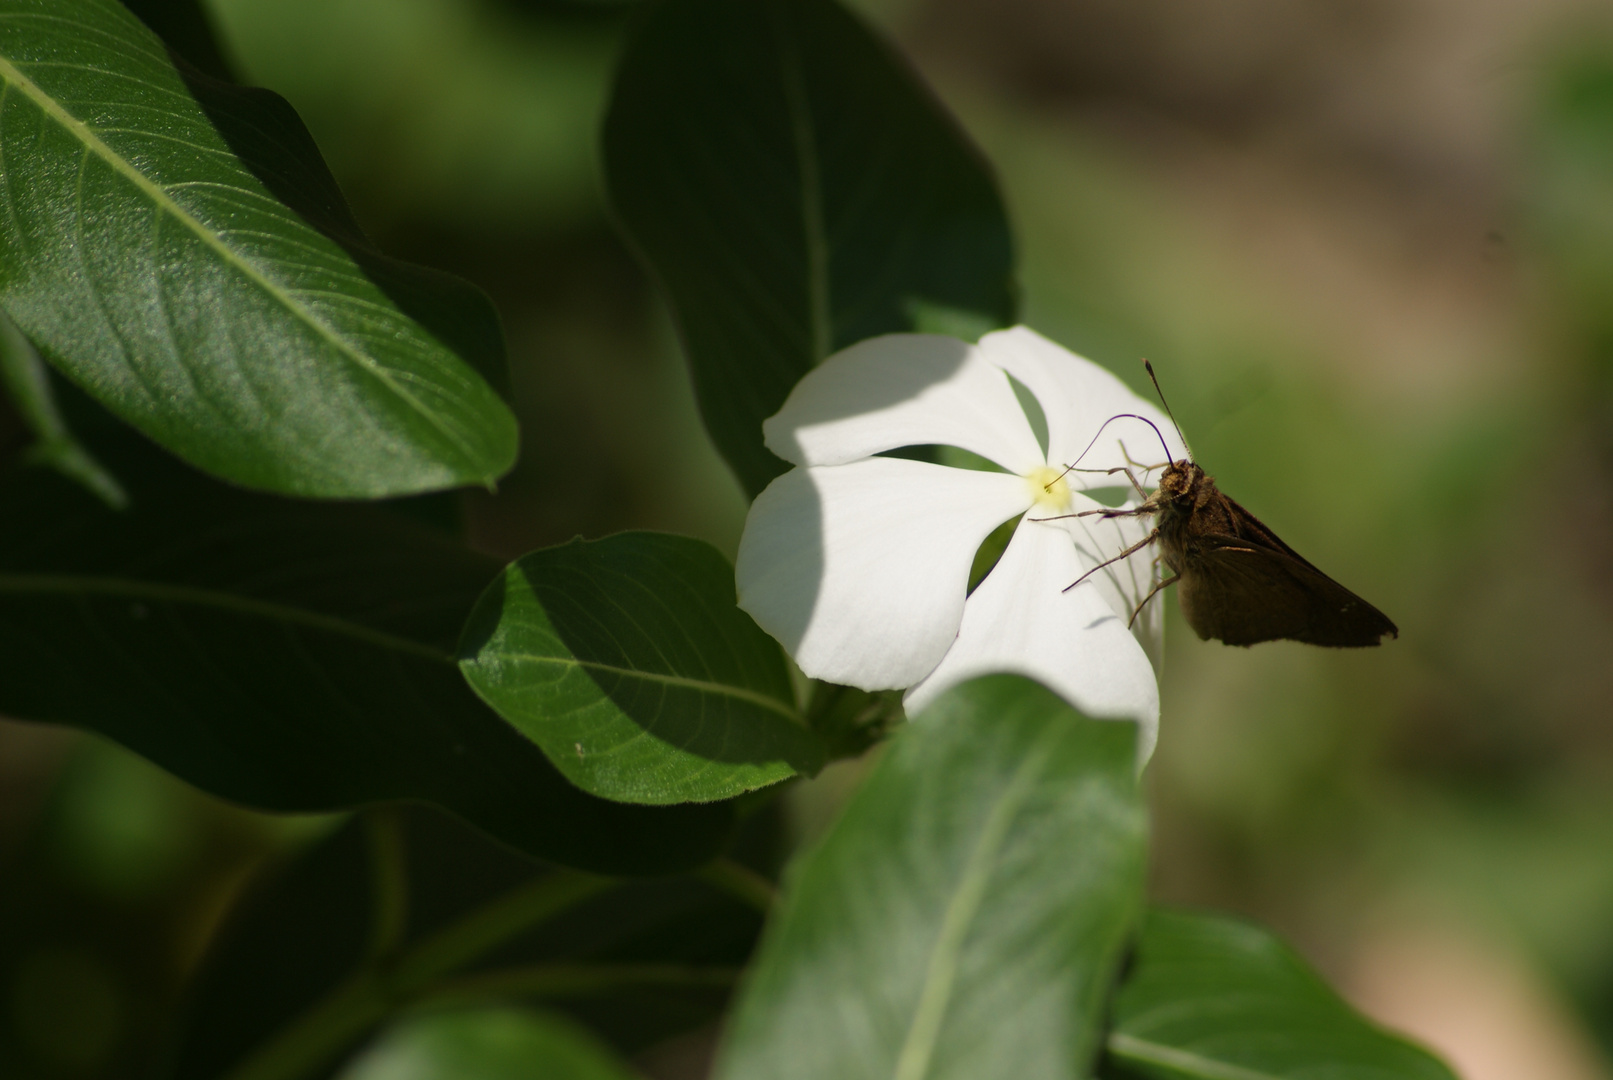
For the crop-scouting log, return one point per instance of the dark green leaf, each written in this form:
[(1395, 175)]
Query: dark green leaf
[(627, 661), (27, 382), (177, 247), (185, 28), (490, 1043), (795, 189), (849, 720), (1211, 998), (966, 915), (290, 656), (304, 926)]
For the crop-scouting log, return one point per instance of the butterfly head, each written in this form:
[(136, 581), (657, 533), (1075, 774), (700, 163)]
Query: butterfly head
[(1180, 480)]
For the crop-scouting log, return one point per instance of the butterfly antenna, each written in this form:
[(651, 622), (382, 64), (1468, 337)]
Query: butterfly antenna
[(1155, 380)]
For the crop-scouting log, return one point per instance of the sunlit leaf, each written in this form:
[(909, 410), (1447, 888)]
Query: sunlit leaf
[(177, 247), (627, 661), (1212, 998), (967, 914)]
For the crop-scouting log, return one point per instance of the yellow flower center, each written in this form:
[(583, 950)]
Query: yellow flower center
[(1049, 489)]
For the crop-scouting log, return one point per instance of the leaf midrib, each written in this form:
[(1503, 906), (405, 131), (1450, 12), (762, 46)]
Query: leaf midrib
[(1129, 1046), (683, 681), (76, 585), (813, 229), (913, 1062), (10, 74)]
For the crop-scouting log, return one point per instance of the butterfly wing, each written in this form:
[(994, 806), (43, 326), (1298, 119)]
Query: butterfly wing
[(1253, 588)]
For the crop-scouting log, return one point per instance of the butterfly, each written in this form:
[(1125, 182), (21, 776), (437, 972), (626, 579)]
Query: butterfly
[(1236, 580)]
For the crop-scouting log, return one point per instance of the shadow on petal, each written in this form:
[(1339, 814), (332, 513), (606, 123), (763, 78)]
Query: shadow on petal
[(1022, 620), (904, 390), (861, 570)]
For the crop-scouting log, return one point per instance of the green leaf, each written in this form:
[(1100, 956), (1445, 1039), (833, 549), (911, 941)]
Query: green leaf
[(27, 382), (1212, 998), (795, 189), (491, 1043), (627, 661), (290, 656), (177, 247), (966, 915), (186, 29)]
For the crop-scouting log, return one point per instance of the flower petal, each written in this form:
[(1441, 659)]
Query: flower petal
[(1020, 620), (1077, 396), (903, 390), (860, 570)]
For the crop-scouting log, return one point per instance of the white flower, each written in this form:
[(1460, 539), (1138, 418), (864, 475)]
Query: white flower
[(859, 564)]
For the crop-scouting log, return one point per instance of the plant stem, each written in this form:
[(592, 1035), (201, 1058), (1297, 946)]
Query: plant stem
[(493, 924), (740, 882), (373, 992), (389, 882)]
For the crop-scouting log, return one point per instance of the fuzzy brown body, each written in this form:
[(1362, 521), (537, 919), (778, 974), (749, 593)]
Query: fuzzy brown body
[(1237, 582)]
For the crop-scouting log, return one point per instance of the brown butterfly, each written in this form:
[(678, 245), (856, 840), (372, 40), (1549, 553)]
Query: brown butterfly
[(1236, 580)]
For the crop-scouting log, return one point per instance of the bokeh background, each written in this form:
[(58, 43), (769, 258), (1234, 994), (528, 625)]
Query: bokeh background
[(1368, 245)]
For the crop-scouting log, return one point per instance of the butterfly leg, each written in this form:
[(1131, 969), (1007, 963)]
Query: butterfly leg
[(1172, 580), (1126, 468), (1130, 464), (1118, 468), (1132, 550), (1106, 512), (1135, 486)]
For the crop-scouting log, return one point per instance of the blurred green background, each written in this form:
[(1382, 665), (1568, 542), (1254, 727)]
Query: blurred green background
[(1368, 245)]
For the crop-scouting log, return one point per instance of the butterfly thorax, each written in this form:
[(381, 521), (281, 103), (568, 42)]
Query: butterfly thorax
[(1189, 505)]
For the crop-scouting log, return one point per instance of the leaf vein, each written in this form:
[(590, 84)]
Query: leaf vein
[(81, 587), (680, 681)]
